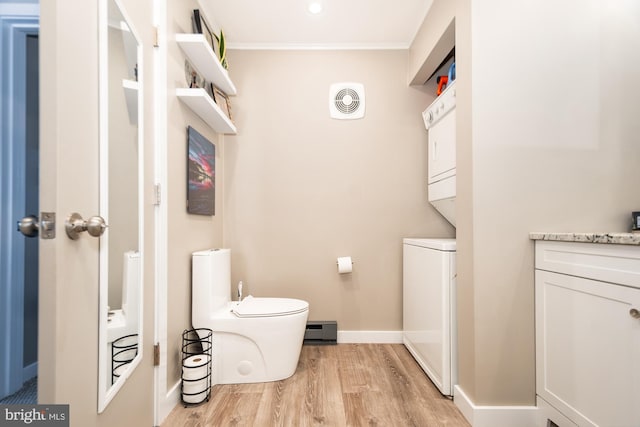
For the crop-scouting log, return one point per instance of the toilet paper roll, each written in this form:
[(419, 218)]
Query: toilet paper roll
[(345, 265), (194, 391), (195, 384), (195, 367)]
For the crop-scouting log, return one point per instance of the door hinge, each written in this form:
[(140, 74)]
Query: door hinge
[(157, 194), (156, 355), (156, 42)]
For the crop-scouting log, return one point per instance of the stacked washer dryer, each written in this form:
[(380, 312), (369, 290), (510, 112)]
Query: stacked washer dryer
[(429, 265), (440, 121)]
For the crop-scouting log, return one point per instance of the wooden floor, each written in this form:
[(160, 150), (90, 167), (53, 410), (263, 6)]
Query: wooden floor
[(334, 385)]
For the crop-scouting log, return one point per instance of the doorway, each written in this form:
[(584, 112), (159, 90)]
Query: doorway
[(19, 196)]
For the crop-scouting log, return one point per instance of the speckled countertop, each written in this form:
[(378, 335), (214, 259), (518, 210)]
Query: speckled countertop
[(612, 238)]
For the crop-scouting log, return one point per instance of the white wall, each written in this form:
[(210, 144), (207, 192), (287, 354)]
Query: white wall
[(554, 148)]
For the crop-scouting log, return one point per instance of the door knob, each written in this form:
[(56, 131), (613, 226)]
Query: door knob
[(74, 225), (634, 313), (29, 226)]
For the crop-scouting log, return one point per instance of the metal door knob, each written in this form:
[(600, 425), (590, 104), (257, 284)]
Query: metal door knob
[(634, 313), (74, 225), (29, 226)]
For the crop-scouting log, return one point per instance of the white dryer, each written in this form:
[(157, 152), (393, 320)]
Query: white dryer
[(429, 295), (440, 120)]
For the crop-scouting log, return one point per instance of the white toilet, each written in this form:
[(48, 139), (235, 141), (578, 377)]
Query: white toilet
[(255, 340), (124, 321)]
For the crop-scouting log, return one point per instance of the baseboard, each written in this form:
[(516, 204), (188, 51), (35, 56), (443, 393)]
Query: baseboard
[(29, 371), (369, 337), (494, 416), (171, 401)]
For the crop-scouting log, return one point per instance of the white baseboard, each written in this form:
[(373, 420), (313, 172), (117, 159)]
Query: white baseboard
[(29, 371), (370, 337), (494, 416), (171, 401)]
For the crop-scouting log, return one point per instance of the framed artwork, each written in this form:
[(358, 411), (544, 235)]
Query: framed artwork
[(201, 171), (210, 90), (194, 80), (222, 100), (200, 26)]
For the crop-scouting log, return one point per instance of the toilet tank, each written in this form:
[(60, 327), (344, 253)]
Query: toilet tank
[(210, 284)]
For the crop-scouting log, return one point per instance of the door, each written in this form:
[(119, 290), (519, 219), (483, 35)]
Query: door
[(69, 182), (588, 349), (442, 148)]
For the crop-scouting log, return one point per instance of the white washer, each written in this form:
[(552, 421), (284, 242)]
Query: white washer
[(428, 325)]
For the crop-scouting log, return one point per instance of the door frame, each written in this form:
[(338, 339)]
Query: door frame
[(15, 25), (166, 396)]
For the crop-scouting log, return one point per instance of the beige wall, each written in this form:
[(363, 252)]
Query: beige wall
[(186, 233), (68, 312), (303, 189), (548, 145), (434, 40)]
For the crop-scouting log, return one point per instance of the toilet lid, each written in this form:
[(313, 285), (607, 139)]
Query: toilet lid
[(265, 307)]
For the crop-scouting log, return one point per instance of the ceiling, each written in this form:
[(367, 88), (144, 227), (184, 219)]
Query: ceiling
[(342, 24)]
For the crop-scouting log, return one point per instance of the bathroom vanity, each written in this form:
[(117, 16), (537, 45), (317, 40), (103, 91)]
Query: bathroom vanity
[(587, 308)]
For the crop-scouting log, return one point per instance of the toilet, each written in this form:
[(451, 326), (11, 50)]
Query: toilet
[(124, 321), (254, 340)]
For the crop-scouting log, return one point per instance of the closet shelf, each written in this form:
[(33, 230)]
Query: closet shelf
[(205, 61), (201, 103)]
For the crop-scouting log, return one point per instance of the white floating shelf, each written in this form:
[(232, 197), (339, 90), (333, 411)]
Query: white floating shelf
[(205, 61), (131, 96), (202, 104)]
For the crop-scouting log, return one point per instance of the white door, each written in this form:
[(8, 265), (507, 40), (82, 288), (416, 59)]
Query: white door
[(588, 349), (69, 182), (442, 148)]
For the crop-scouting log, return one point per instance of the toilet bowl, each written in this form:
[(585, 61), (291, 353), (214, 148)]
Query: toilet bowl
[(254, 340)]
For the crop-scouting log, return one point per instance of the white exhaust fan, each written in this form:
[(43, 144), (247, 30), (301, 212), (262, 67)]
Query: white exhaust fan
[(346, 101)]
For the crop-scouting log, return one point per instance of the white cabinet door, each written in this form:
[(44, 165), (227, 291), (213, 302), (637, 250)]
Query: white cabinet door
[(442, 148), (588, 349)]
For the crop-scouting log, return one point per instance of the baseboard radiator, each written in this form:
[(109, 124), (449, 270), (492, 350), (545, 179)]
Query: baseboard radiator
[(321, 332)]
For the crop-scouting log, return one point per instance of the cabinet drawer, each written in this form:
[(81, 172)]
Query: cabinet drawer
[(608, 263)]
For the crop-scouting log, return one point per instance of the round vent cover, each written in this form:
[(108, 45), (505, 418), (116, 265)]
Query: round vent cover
[(346, 101)]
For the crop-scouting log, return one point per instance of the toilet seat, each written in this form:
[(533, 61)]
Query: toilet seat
[(269, 307)]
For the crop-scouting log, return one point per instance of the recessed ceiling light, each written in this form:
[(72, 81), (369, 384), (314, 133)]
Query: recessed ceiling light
[(315, 7)]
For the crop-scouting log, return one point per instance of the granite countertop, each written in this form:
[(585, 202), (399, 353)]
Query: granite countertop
[(612, 238)]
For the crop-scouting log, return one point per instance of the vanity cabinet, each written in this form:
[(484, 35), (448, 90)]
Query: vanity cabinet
[(587, 302)]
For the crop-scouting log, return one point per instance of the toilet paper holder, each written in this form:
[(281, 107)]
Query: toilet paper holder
[(195, 387)]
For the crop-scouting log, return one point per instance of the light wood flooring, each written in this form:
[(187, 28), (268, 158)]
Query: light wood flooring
[(334, 385)]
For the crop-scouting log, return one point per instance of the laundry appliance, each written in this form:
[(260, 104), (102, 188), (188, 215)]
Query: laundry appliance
[(440, 121), (429, 301)]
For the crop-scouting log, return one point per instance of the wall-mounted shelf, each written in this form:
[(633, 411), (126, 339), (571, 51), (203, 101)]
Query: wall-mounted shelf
[(202, 104), (205, 61), (131, 96)]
